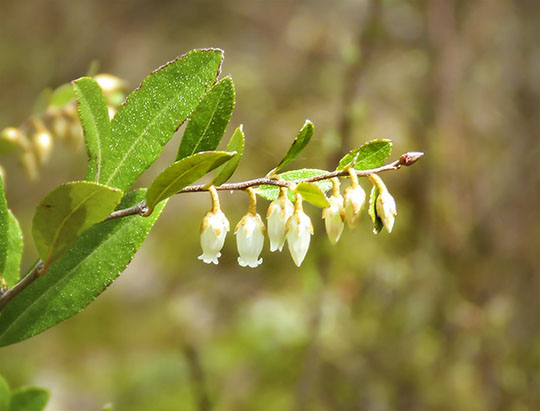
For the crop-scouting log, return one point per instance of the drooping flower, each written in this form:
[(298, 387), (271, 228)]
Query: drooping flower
[(385, 205), (250, 240), (250, 232), (334, 215), (354, 201), (386, 209), (299, 232), (279, 212), (214, 229)]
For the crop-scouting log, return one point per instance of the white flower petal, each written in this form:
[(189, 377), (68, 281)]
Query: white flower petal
[(354, 200), (250, 240), (299, 231), (214, 229), (333, 219), (279, 212)]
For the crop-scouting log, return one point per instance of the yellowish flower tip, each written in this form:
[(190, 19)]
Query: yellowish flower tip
[(353, 176), (252, 208)]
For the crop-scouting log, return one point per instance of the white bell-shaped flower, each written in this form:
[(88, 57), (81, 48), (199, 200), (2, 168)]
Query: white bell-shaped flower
[(354, 201), (333, 218), (278, 214), (299, 232), (386, 209), (250, 239), (214, 229)]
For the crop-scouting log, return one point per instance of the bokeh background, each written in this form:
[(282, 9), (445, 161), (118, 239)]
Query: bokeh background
[(443, 314)]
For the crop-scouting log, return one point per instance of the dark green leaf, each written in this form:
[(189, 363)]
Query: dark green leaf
[(29, 399), (209, 120), (4, 227), (371, 155), (5, 395), (75, 280), (299, 143), (372, 211), (225, 171), (66, 212), (313, 194), (183, 173), (14, 251), (95, 122), (62, 95), (272, 192), (153, 112)]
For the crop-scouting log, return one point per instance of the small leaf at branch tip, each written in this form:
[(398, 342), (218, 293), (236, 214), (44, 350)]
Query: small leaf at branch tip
[(410, 158)]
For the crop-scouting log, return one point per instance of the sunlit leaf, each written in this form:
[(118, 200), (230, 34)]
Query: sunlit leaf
[(4, 227), (225, 171), (14, 251), (208, 122), (371, 155), (299, 143), (313, 194), (272, 192), (29, 399), (75, 280), (95, 122), (66, 212), (183, 173), (153, 112)]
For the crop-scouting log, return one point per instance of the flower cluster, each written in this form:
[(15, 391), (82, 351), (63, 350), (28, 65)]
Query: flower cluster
[(288, 223)]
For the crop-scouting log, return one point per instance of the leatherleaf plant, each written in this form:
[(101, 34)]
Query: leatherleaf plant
[(86, 232)]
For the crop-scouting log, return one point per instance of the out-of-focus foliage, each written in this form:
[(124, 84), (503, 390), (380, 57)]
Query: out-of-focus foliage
[(442, 314)]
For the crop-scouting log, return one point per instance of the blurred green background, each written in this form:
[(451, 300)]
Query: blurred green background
[(443, 314)]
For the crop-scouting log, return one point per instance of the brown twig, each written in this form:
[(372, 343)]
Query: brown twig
[(140, 208)]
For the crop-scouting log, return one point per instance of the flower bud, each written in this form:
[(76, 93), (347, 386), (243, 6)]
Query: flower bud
[(250, 239), (214, 228), (43, 144), (386, 209), (333, 218), (299, 232), (278, 214), (354, 200)]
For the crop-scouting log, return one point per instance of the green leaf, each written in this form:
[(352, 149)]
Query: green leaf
[(209, 120), (66, 212), (29, 399), (4, 227), (5, 395), (153, 112), (183, 173), (313, 194), (225, 171), (14, 251), (62, 95), (272, 192), (75, 280), (94, 116), (372, 210), (371, 155), (299, 143)]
